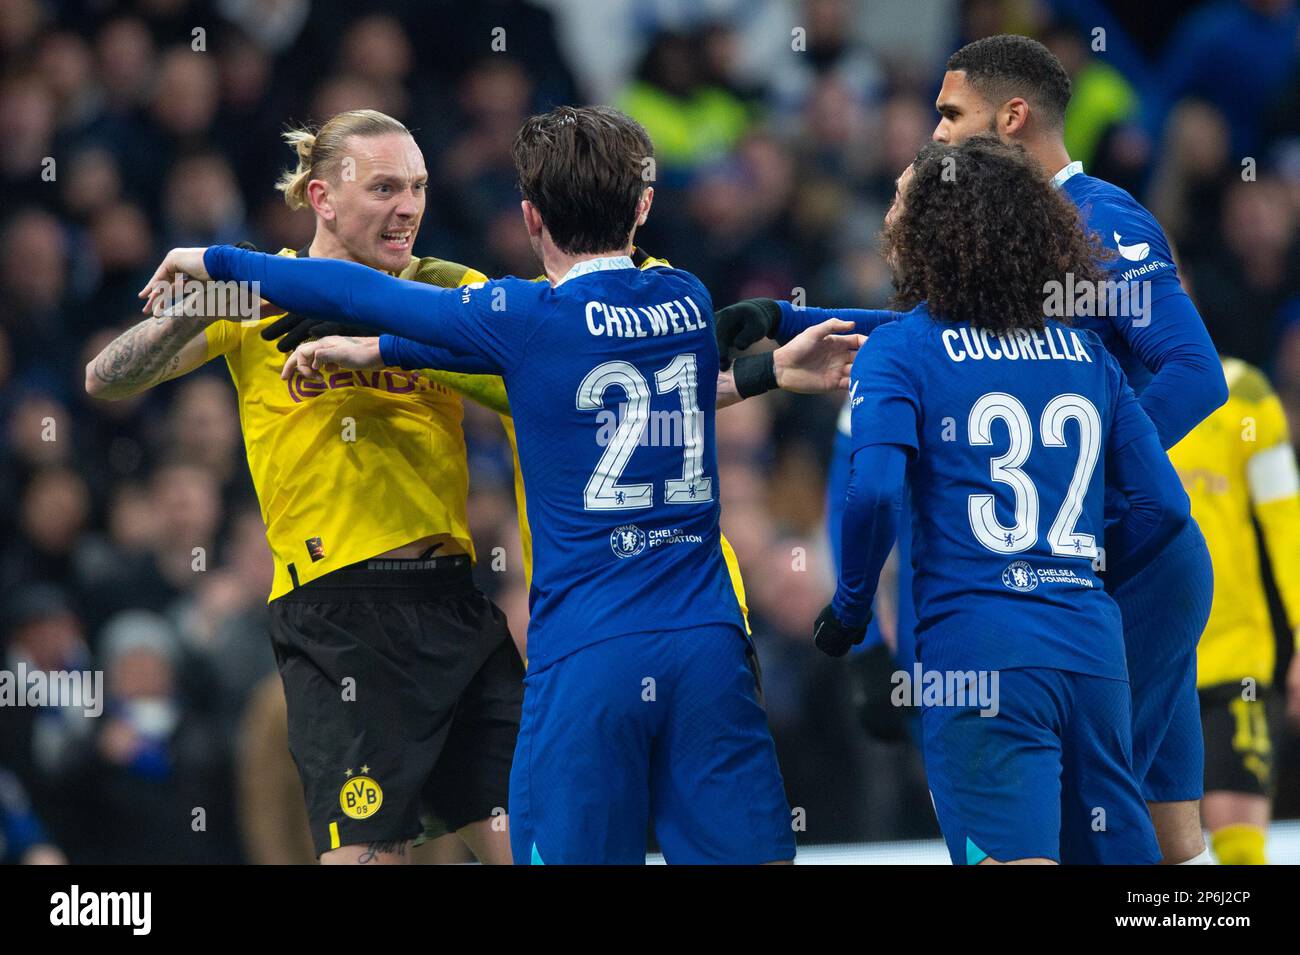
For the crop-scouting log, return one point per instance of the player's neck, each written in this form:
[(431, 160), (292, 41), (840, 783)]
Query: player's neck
[(1050, 153), (558, 264), (325, 246)]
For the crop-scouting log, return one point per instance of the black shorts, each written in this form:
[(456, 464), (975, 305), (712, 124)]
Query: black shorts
[(404, 691), (1238, 744)]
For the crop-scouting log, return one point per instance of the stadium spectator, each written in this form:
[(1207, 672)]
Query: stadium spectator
[(40, 742), (1187, 185), (22, 837), (690, 119), (1237, 55), (1244, 282), (36, 307), (152, 784), (1101, 96)]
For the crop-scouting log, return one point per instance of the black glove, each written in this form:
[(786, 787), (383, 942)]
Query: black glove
[(293, 330), (871, 684), (832, 637), (739, 326)]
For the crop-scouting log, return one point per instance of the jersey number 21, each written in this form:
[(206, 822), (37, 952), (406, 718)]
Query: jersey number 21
[(603, 491)]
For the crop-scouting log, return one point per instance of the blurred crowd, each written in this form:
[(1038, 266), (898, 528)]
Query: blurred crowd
[(130, 538)]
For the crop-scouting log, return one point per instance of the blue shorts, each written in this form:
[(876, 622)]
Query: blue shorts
[(1047, 776), (1165, 608), (666, 727)]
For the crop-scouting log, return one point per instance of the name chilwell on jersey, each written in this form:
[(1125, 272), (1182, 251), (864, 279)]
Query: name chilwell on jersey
[(669, 318)]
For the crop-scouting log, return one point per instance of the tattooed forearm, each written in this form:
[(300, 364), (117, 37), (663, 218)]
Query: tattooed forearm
[(143, 355)]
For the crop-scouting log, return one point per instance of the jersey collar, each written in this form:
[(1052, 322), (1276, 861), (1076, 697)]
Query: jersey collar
[(603, 264), (1073, 169)]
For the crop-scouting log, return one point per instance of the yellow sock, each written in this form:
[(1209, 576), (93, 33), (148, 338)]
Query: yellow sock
[(1239, 844)]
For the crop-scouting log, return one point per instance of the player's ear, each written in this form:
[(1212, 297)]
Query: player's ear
[(1013, 118), (532, 218), (321, 199), (643, 204)]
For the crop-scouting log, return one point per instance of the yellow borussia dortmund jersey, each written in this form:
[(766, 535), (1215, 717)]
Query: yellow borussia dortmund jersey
[(354, 465), (1237, 463)]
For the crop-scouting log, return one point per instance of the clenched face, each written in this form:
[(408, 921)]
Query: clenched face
[(375, 200), (962, 111)]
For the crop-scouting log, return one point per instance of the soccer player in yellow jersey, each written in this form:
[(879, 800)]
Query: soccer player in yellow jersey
[(1239, 468), (402, 681)]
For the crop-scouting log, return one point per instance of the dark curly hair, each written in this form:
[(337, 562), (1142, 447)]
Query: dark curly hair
[(981, 232), (1007, 65)]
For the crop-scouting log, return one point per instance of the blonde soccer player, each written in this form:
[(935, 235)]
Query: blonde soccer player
[(402, 681)]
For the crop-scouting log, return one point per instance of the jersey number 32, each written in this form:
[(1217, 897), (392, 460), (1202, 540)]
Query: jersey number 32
[(1007, 469)]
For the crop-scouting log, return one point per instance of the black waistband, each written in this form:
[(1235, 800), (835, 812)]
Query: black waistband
[(435, 575)]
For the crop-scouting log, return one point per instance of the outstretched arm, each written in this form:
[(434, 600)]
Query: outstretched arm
[(169, 344), (450, 319), (817, 361), (150, 352), (740, 325), (795, 320)]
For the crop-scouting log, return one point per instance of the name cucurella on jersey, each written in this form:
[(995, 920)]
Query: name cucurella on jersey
[(645, 321), (1021, 344)]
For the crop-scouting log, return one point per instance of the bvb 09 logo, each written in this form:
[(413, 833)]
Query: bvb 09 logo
[(360, 797)]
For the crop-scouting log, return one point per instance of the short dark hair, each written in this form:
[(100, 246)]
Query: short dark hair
[(1003, 66), (584, 168), (980, 234)]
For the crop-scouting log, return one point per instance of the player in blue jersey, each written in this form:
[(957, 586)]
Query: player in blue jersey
[(1013, 87), (1007, 428), (641, 699)]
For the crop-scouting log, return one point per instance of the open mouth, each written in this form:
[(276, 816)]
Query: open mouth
[(397, 239)]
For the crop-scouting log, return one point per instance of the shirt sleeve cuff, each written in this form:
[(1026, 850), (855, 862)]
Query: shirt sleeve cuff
[(789, 326), (390, 351)]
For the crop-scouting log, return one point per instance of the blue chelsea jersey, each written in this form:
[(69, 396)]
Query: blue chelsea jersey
[(612, 380), (1009, 435)]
